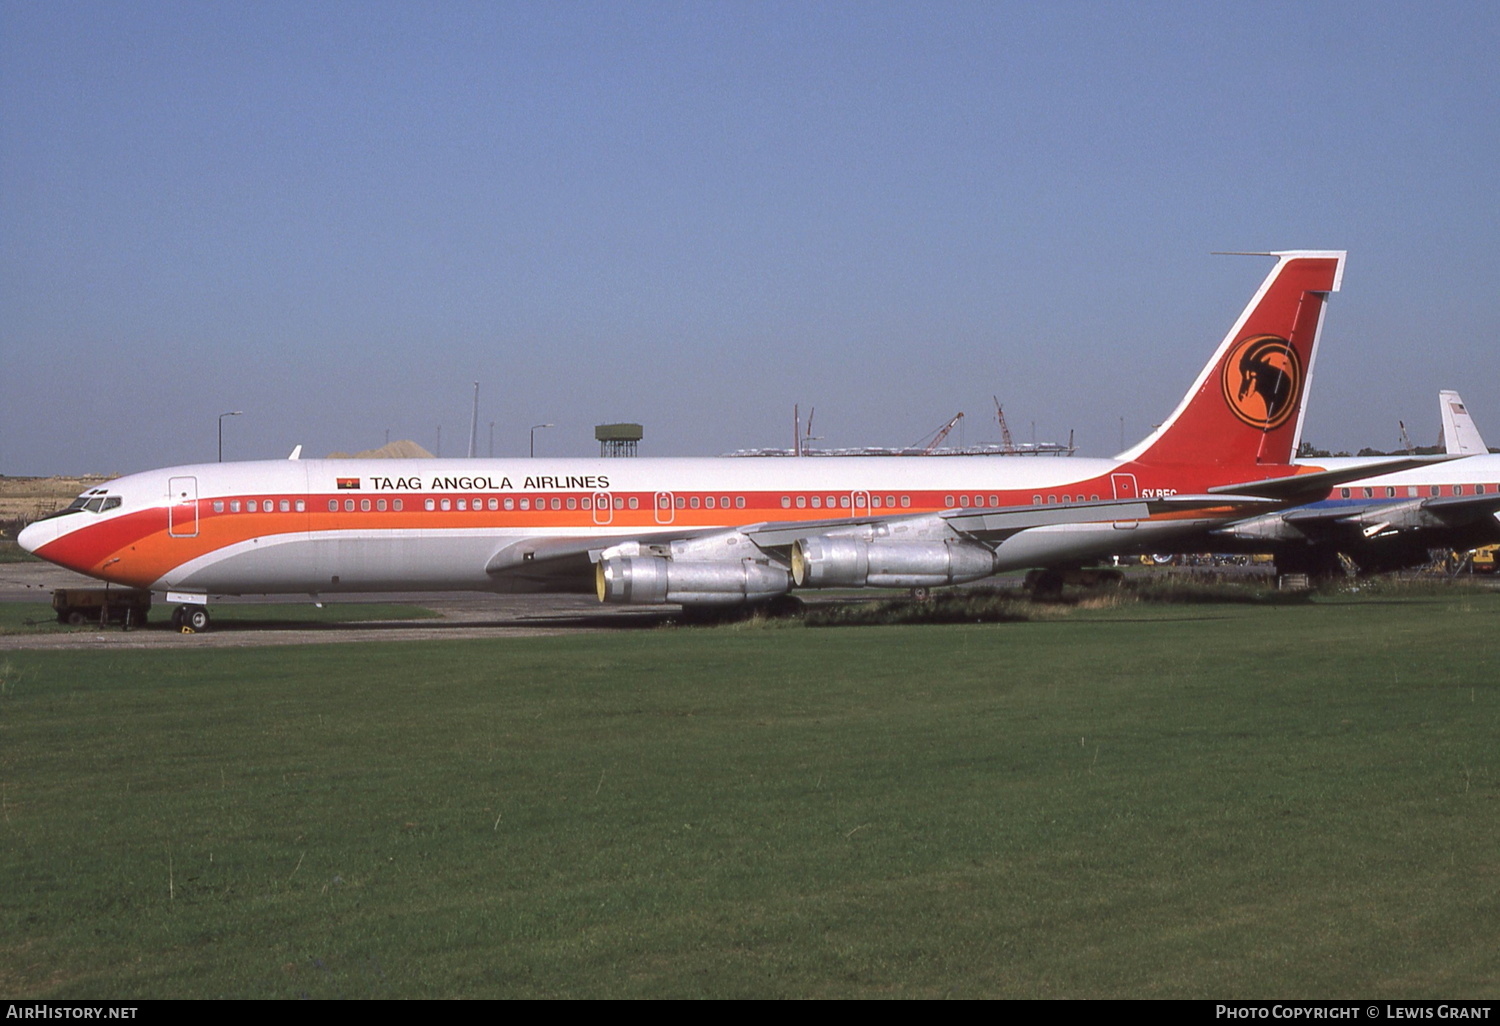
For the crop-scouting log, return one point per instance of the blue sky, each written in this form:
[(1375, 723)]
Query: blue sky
[(337, 217)]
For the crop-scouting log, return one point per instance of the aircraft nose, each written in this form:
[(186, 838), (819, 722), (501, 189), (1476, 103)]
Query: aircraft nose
[(34, 536)]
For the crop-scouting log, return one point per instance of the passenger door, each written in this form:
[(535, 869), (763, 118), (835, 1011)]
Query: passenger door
[(182, 507)]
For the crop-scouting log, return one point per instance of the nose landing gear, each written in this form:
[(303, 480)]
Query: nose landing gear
[(191, 619)]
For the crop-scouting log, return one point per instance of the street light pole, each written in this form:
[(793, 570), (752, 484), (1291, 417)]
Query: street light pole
[(534, 429), (232, 413)]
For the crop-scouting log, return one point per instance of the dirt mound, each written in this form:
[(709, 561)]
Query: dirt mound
[(405, 449)]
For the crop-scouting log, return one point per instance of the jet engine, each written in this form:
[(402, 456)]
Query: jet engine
[(836, 561), (653, 580)]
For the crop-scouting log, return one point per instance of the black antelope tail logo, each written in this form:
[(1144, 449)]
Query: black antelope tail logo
[(1262, 380)]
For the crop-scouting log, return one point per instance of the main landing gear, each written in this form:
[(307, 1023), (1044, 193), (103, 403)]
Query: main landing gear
[(191, 618)]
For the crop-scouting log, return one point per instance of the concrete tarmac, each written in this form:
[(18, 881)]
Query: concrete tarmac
[(461, 615)]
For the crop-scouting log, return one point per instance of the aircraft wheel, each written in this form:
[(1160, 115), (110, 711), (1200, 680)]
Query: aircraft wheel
[(177, 615), (196, 617)]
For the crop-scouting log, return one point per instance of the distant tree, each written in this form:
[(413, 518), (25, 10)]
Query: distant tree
[(1308, 451)]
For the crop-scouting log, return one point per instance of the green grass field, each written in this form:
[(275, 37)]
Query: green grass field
[(1214, 800), (10, 552)]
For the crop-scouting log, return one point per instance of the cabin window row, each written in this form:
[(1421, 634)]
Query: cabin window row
[(260, 505), (1413, 491), (556, 502), (480, 503), (845, 501), (663, 501), (1051, 500), (526, 502), (510, 503), (365, 505)]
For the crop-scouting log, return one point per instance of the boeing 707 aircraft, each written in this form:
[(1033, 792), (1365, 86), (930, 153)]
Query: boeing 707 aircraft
[(714, 532), (1386, 521)]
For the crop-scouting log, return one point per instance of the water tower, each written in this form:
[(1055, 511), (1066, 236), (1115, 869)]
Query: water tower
[(618, 439)]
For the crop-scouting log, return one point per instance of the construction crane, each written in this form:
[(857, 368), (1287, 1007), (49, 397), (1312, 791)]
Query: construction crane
[(1008, 444), (937, 439), (802, 444)]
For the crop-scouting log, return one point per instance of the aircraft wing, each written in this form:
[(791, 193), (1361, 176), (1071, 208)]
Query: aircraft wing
[(1462, 508), (547, 561), (1453, 509), (998, 524), (1328, 515), (1457, 521), (1315, 485), (559, 560)]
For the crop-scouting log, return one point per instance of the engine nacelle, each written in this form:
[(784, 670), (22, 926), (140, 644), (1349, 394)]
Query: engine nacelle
[(834, 561), (1369, 521), (653, 580), (1268, 528)]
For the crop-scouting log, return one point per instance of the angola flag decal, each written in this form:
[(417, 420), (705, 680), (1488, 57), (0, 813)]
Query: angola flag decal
[(348, 482)]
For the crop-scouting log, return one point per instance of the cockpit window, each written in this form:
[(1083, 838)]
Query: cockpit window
[(93, 501)]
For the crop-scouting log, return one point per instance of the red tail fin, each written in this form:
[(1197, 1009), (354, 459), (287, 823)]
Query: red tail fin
[(1246, 406)]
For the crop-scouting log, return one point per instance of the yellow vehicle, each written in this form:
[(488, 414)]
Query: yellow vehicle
[(1484, 560)]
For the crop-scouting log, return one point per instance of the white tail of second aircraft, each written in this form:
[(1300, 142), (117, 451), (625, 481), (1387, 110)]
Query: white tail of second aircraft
[(1460, 436)]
